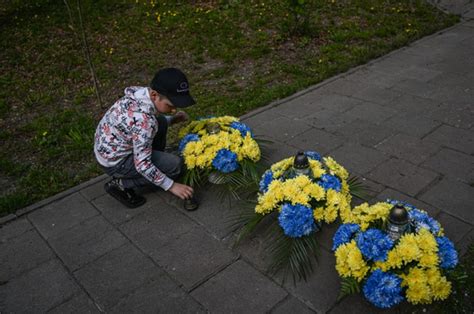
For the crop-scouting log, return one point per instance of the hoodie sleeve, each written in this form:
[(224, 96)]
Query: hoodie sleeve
[(144, 128)]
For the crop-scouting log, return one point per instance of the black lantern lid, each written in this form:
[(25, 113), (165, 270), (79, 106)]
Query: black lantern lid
[(398, 215), (213, 128), (301, 161)]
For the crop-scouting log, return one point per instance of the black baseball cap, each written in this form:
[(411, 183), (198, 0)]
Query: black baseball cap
[(173, 84)]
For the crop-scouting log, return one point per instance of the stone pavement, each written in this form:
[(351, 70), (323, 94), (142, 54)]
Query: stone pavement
[(403, 122)]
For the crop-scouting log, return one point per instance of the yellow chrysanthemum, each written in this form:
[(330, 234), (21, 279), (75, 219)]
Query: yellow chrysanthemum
[(349, 261), (316, 168), (280, 167), (336, 168), (318, 213)]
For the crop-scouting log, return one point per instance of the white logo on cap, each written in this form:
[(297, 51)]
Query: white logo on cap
[(183, 87)]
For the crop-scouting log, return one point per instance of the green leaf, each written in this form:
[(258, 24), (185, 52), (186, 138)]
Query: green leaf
[(349, 285), (357, 188), (294, 255)]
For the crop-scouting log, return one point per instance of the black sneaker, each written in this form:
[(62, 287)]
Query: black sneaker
[(125, 196), (191, 204)]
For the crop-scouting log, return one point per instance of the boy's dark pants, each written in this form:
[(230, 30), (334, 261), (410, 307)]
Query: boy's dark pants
[(169, 164)]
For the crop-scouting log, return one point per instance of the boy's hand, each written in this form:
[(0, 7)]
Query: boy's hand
[(182, 191), (180, 116)]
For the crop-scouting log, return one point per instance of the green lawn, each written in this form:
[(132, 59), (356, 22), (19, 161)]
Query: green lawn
[(239, 55)]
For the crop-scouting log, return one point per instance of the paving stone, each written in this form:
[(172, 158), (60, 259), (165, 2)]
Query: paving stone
[(117, 213), (278, 151), (344, 87), (329, 120), (454, 228), (316, 140), (215, 214), (452, 164), (325, 236), (372, 188), (376, 95), (14, 229), (283, 129), (322, 115), (155, 228), (291, 305), (453, 197), (420, 73), (87, 241), (117, 274), (79, 304), (356, 303), (465, 242), (371, 112), (445, 41), (336, 102), (193, 257), (62, 215), (355, 157), (415, 125), (318, 296), (413, 105), (414, 56), (254, 248), (408, 148), (38, 290), (255, 122), (375, 77), (459, 115), (395, 195), (452, 93), (459, 139), (365, 132), (160, 295), (402, 176), (451, 79), (417, 88), (22, 253), (95, 190), (292, 110), (239, 289)]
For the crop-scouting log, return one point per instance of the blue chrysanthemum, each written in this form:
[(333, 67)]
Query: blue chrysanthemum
[(225, 161), (241, 127), (448, 255), (296, 220), (374, 244), (191, 137), (344, 234), (267, 178), (313, 155), (383, 289), (328, 181), (423, 220)]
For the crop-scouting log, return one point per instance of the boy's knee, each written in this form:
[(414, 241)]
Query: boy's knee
[(177, 169)]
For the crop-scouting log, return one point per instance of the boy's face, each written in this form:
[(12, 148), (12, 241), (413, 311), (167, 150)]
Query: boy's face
[(162, 104)]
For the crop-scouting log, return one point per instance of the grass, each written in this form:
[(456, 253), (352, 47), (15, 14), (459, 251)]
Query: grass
[(239, 55)]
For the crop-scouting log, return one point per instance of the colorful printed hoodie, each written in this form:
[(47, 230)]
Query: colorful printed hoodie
[(129, 127)]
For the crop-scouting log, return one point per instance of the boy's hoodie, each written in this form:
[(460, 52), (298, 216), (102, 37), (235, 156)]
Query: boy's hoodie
[(129, 127)]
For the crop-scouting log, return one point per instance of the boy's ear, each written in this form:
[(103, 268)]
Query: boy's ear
[(154, 94)]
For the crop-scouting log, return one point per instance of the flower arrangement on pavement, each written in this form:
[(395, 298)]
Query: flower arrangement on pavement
[(220, 146), (299, 194), (411, 265)]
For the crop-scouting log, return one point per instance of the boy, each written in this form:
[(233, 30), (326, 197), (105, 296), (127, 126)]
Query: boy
[(131, 137)]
